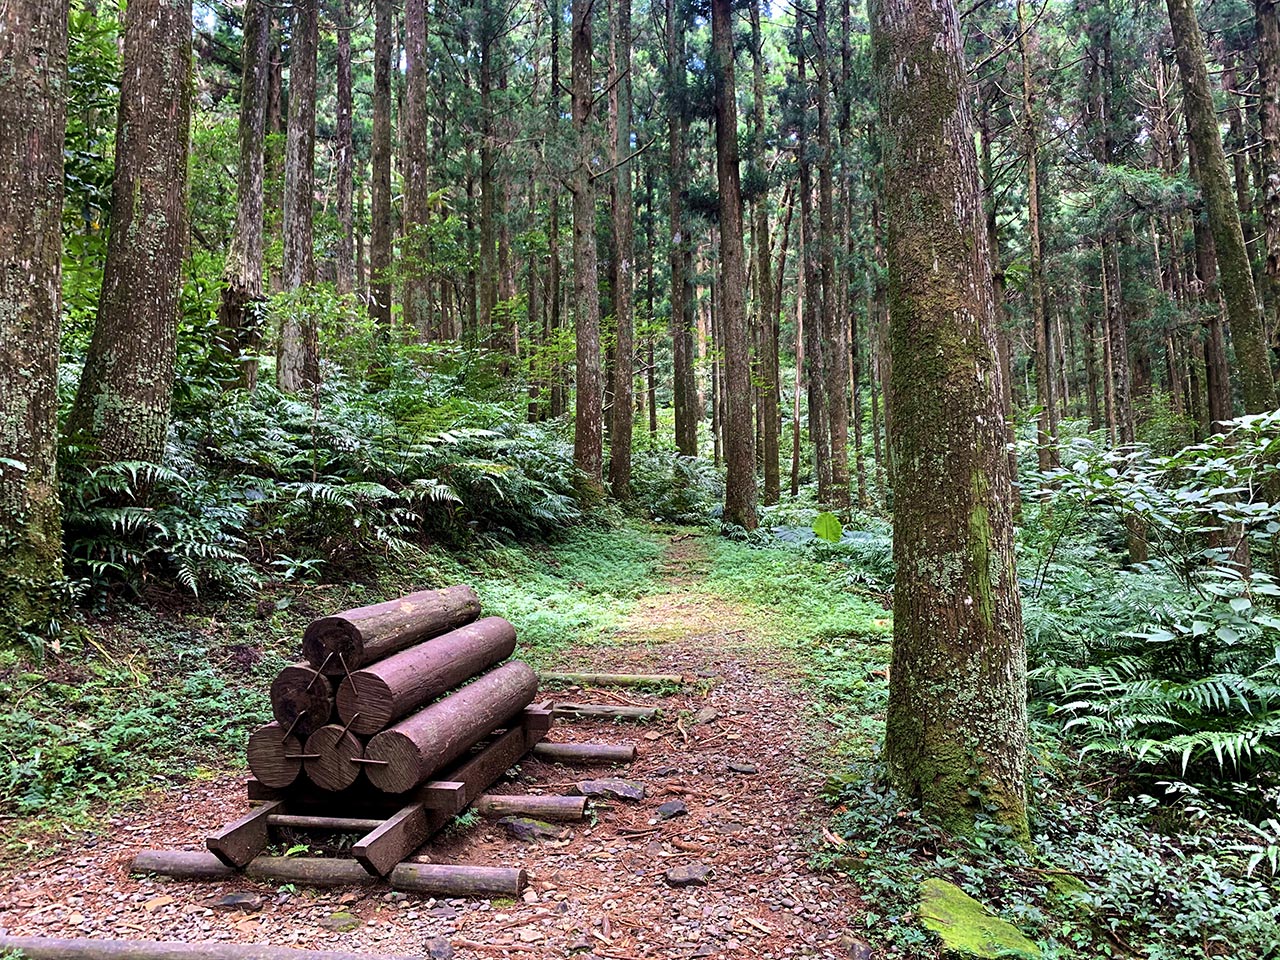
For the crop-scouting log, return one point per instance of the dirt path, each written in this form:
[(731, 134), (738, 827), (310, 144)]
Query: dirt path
[(600, 891)]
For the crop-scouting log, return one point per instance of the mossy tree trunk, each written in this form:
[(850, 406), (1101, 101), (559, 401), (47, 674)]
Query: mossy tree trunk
[(239, 329), (1235, 273), (298, 353), (588, 439), (346, 258), (620, 431), (685, 390), (380, 160), (33, 46), (1267, 21), (956, 731), (122, 407), (740, 457)]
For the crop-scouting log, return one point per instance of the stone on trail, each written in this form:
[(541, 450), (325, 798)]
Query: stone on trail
[(613, 787), (341, 922), (705, 715), (672, 808), (439, 948), (744, 768), (244, 902), (527, 828), (694, 875), (967, 929)]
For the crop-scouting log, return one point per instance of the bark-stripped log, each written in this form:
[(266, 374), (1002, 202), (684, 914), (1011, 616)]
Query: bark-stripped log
[(495, 806), (380, 694), (355, 638), (332, 758), (585, 754), (48, 948), (615, 679), (457, 880), (301, 699), (273, 756), (418, 746), (602, 711)]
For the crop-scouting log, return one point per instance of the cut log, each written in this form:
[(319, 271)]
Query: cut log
[(614, 679), (273, 757), (240, 841), (47, 948), (301, 699), (355, 638), (336, 824), (556, 809), (449, 880), (332, 753), (585, 754), (418, 746), (602, 711), (314, 871), (371, 698)]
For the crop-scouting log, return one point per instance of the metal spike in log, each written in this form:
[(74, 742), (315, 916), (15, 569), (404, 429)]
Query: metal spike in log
[(273, 756), (555, 809), (586, 754), (355, 638), (331, 753), (379, 694), (48, 948), (418, 746), (302, 698)]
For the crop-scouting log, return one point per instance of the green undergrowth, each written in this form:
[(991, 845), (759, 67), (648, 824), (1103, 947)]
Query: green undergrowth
[(151, 699)]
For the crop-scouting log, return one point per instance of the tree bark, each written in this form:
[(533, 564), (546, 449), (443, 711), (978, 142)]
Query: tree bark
[(1267, 20), (622, 421), (240, 331), (417, 288), (684, 388), (740, 476), (126, 390), (380, 149), (33, 44), (588, 440), (1214, 179), (298, 356), (345, 260), (956, 729)]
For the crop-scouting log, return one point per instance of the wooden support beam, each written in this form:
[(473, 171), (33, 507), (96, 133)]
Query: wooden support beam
[(394, 839), (338, 824), (241, 840), (603, 711), (48, 948), (586, 754)]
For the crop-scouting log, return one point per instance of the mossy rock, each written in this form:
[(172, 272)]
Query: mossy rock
[(966, 927)]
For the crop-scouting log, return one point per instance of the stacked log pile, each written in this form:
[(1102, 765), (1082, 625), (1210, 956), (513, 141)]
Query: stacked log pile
[(390, 694)]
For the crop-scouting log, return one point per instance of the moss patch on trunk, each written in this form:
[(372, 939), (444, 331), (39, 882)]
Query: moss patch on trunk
[(966, 927)]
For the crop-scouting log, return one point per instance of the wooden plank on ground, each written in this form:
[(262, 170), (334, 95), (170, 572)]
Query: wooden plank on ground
[(396, 838), (241, 840)]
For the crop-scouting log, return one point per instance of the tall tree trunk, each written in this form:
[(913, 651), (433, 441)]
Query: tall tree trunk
[(239, 327), (1224, 219), (126, 390), (685, 390), (345, 280), (767, 317), (33, 45), (1267, 20), (624, 241), (835, 335), (416, 161), (380, 149), (559, 402), (488, 158), (298, 356), (740, 457), (1047, 441), (956, 730), (802, 242), (588, 440)]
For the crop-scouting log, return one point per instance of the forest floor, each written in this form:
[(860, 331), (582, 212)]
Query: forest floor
[(600, 890)]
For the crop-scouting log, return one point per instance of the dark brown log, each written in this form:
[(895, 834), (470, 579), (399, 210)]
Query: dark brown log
[(339, 824), (302, 699), (331, 755), (585, 754), (371, 698), (602, 711), (272, 756), (417, 747), (47, 948), (495, 806), (355, 638), (445, 795), (615, 679), (314, 871), (397, 837), (450, 880), (240, 841)]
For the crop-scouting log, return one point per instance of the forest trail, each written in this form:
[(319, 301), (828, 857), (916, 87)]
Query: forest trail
[(600, 891)]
